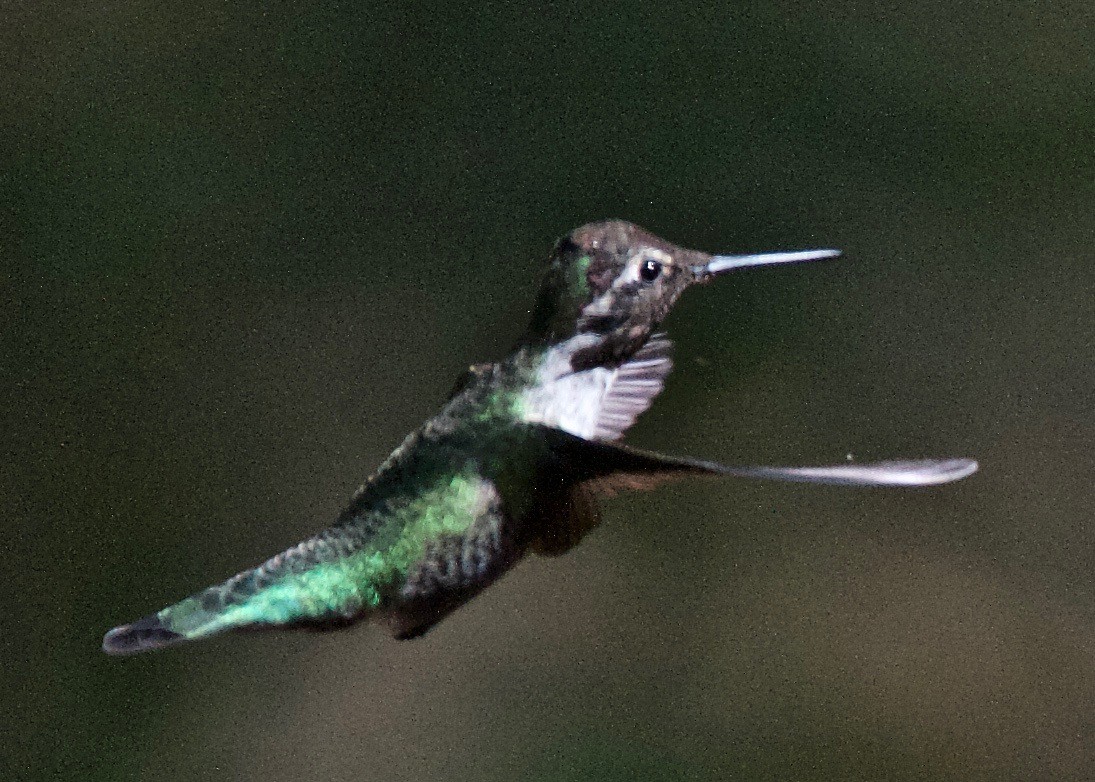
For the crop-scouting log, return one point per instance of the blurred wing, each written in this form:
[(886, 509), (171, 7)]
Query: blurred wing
[(601, 402), (608, 468), (632, 387), (920, 472)]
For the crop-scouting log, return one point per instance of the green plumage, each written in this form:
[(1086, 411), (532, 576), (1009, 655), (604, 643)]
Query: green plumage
[(449, 511), (342, 573), (429, 520), (512, 464)]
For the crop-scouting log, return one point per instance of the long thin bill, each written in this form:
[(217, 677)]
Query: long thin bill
[(922, 472), (720, 264)]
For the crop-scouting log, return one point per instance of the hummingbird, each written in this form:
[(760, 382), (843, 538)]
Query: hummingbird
[(515, 462)]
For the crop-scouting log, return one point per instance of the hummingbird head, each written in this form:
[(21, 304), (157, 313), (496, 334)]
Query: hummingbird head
[(612, 282)]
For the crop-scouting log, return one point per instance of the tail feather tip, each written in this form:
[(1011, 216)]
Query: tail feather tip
[(144, 634)]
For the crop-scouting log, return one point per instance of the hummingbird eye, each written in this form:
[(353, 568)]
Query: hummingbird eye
[(650, 270)]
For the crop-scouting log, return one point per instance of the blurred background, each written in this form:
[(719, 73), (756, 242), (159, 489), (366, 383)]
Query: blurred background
[(245, 252)]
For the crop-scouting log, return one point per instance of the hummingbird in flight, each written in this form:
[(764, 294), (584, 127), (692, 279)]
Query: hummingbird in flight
[(514, 463)]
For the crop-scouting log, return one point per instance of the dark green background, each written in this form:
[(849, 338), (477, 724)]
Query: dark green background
[(245, 251)]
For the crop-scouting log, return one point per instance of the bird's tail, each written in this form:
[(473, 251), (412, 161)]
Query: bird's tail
[(148, 632), (308, 585), (206, 613)]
